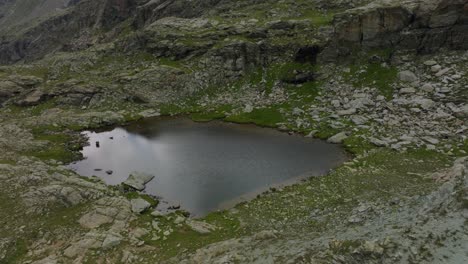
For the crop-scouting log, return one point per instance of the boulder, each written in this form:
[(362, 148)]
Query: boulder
[(427, 87), (407, 76), (32, 99), (442, 72), (138, 180), (436, 68), (338, 138), (139, 205), (424, 103), (248, 108), (111, 241)]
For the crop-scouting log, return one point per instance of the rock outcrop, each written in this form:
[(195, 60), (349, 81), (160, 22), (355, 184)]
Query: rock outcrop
[(71, 29), (425, 26)]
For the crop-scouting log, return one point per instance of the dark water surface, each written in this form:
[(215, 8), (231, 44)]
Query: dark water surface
[(205, 166)]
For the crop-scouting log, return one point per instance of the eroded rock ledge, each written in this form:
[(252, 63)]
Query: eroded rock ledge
[(425, 26)]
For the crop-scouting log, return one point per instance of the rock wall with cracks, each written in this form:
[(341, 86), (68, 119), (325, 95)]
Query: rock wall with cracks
[(425, 26)]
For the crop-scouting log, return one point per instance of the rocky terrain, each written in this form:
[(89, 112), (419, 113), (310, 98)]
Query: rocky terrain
[(387, 79)]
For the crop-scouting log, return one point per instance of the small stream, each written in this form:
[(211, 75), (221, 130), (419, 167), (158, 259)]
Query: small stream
[(205, 166)]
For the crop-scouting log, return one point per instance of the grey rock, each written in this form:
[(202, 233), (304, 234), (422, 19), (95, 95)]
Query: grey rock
[(347, 112), (138, 233), (338, 138), (201, 227), (424, 103), (408, 90), (427, 87), (336, 103), (94, 220), (297, 111), (33, 98), (378, 142), (157, 213), (359, 120), (111, 241), (431, 140), (179, 220), (430, 63), (248, 108), (150, 113), (81, 247), (442, 72), (138, 180), (436, 68), (463, 111), (407, 76), (354, 219), (139, 205)]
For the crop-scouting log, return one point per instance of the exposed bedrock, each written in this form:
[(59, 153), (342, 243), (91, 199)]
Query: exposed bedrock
[(425, 26)]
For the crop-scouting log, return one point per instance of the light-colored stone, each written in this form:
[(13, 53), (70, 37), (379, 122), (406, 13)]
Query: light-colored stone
[(139, 205), (427, 87), (430, 63), (424, 103), (248, 108), (200, 227), (347, 112), (157, 213), (436, 68), (80, 247), (442, 72), (138, 180), (94, 220), (407, 76), (338, 138), (111, 241), (408, 90), (179, 220), (150, 113)]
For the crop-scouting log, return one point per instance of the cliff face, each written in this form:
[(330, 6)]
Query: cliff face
[(70, 29), (15, 12), (49, 25), (425, 26)]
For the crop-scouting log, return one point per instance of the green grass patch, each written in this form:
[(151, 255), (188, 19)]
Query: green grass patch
[(61, 146), (174, 64), (374, 75), (367, 73), (148, 198), (267, 117), (357, 145), (206, 117), (184, 238), (317, 17), (17, 252)]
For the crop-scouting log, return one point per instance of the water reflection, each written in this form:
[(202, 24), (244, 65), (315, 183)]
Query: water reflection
[(204, 165)]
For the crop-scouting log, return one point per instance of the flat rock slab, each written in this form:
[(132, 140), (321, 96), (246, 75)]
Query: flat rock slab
[(138, 180), (201, 227)]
